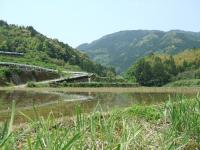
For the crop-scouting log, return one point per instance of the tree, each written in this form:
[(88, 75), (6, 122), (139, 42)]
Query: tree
[(4, 46), (170, 66), (32, 30), (143, 73), (3, 23), (151, 73), (130, 74), (160, 75)]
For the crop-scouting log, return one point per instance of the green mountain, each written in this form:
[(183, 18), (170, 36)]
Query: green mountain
[(43, 51), (120, 50)]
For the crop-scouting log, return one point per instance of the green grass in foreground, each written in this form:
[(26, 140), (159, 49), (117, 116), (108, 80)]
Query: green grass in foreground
[(174, 125)]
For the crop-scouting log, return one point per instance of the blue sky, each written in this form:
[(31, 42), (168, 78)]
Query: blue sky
[(79, 21)]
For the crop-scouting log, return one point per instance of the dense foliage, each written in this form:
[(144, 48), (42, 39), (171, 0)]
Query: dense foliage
[(42, 50), (157, 70), (124, 48)]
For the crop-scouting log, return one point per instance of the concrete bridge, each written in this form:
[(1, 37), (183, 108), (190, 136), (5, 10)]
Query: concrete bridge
[(74, 76)]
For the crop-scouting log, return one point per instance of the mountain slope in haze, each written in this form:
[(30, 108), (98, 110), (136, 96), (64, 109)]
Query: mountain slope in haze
[(122, 49), (43, 51)]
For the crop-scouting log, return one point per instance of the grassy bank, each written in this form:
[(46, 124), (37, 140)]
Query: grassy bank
[(94, 84), (181, 90), (186, 83), (174, 125), (82, 85)]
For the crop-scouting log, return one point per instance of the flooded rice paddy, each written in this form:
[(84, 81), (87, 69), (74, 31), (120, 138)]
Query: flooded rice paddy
[(64, 103)]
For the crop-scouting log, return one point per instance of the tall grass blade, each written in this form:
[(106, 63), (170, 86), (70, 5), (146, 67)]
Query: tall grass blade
[(73, 140), (7, 129), (12, 117)]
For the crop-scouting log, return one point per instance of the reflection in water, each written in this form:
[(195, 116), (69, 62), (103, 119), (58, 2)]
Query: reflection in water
[(24, 99), (65, 103)]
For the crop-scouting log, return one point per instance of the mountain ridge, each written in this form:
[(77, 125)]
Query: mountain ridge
[(130, 45)]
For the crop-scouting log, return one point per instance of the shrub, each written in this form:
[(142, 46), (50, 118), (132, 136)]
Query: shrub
[(31, 84)]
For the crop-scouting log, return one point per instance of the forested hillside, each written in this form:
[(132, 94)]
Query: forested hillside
[(43, 51), (160, 69), (124, 48)]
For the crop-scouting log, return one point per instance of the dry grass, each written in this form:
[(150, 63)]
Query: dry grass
[(120, 90)]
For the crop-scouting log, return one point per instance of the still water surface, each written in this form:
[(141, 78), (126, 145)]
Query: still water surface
[(64, 103)]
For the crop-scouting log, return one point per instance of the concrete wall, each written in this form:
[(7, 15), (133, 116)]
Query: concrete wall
[(26, 76)]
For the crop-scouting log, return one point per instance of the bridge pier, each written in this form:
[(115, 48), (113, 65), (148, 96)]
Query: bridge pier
[(89, 79)]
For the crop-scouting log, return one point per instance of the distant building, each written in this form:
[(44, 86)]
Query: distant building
[(11, 53)]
